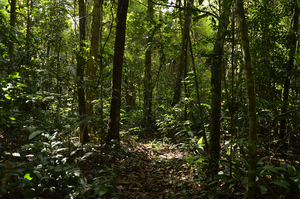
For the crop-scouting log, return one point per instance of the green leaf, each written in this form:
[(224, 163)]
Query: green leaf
[(260, 162), (102, 192), (282, 184), (7, 97), (38, 174), (86, 155), (12, 118), (14, 75), (22, 85), (291, 169), (270, 168), (28, 193), (200, 141), (191, 134), (263, 189), (27, 176), (35, 133)]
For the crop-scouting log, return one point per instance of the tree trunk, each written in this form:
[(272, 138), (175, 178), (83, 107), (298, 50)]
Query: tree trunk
[(183, 53), (81, 63), (129, 90), (148, 74), (252, 145), (290, 66), (28, 34), (12, 25), (216, 66), (114, 118), (94, 45)]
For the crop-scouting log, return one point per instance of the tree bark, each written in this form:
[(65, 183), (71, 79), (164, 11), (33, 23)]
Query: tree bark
[(183, 53), (81, 63), (252, 145), (12, 25), (148, 74), (28, 32), (290, 66), (114, 118), (216, 66), (94, 45)]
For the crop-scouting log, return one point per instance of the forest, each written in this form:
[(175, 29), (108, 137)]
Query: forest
[(149, 99)]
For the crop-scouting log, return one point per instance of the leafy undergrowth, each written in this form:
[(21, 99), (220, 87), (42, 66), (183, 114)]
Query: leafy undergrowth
[(151, 167), (154, 167)]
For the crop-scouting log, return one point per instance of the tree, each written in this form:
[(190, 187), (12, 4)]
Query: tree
[(216, 66), (94, 46), (114, 117), (183, 62), (252, 144), (13, 19), (81, 63), (148, 73), (290, 66)]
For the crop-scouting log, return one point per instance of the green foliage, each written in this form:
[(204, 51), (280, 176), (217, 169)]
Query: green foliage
[(51, 172), (284, 176)]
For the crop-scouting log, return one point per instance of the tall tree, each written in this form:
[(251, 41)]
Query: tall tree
[(252, 144), (12, 25), (183, 62), (114, 117), (28, 31), (290, 66), (148, 74), (94, 46), (216, 66), (81, 63)]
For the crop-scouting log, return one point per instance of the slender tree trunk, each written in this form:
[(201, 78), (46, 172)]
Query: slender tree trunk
[(216, 66), (148, 74), (129, 90), (94, 45), (12, 25), (252, 145), (290, 66), (58, 82), (232, 128), (114, 118), (81, 63), (183, 53), (28, 28)]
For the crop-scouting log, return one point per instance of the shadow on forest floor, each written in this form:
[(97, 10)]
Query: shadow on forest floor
[(154, 167), (147, 167), (151, 168)]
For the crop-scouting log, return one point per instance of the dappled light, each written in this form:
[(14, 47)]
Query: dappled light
[(151, 99)]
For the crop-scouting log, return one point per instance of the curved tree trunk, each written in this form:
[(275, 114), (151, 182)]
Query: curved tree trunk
[(114, 118), (252, 145)]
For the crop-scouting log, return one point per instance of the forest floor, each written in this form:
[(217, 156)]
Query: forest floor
[(154, 167), (151, 166)]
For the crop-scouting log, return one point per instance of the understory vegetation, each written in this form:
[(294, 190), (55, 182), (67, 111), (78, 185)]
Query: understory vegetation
[(151, 99)]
